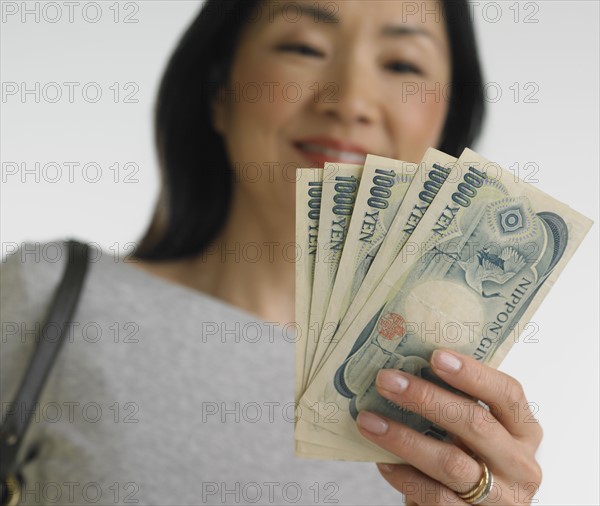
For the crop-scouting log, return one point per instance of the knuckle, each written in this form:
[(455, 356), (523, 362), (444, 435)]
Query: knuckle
[(538, 475), (480, 422), (425, 396), (479, 375), (406, 438), (538, 433), (455, 465), (528, 468), (531, 470), (512, 391)]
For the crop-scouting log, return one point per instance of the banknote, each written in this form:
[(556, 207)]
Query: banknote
[(384, 183), (319, 442), (430, 176), (309, 188), (481, 260), (340, 185), (318, 452)]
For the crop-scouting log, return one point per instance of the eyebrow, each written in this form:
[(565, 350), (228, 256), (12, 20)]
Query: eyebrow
[(319, 14), (316, 12), (399, 30), (408, 30)]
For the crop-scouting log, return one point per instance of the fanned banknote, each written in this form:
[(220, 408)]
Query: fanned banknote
[(309, 189), (340, 185), (430, 176), (384, 183), (479, 261)]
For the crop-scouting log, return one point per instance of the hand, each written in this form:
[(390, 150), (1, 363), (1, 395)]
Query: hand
[(506, 437)]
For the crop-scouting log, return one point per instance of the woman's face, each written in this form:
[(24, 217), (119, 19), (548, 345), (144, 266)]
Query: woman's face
[(316, 81)]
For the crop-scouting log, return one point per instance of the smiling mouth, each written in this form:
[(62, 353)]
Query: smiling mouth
[(320, 154)]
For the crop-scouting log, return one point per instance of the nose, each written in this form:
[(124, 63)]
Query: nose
[(349, 93)]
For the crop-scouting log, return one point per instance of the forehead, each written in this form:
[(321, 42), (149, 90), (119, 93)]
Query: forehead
[(379, 20), (342, 13)]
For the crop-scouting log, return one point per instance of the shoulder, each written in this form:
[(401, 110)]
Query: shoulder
[(30, 272), (28, 268)]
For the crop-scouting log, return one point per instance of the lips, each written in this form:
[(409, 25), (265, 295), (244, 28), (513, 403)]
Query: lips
[(319, 150)]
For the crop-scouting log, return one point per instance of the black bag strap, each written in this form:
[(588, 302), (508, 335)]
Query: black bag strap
[(61, 311)]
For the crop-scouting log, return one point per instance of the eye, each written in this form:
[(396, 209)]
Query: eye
[(301, 49), (402, 67)]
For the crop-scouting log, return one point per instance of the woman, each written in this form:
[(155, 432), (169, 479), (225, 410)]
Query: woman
[(253, 91)]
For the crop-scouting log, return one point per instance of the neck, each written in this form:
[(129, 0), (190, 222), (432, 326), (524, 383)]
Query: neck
[(253, 264), (250, 264)]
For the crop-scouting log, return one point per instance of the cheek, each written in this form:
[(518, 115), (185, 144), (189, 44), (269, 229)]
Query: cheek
[(428, 119), (418, 120), (266, 97), (265, 100)]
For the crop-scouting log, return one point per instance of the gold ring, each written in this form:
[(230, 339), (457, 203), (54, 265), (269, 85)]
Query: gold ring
[(482, 489), (13, 490)]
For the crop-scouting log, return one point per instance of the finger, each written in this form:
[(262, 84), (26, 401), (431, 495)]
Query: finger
[(443, 462), (464, 418), (417, 487), (501, 392)]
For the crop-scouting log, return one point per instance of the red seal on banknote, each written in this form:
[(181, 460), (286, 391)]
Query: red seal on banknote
[(391, 326)]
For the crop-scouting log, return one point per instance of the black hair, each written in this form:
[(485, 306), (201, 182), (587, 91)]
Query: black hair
[(196, 177)]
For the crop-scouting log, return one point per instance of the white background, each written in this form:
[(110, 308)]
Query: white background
[(559, 133)]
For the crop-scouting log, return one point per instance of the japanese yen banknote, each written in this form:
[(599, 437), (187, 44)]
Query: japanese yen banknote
[(399, 259)]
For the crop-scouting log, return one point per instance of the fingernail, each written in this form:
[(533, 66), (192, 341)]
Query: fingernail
[(446, 361), (372, 423), (391, 380), (386, 468)]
